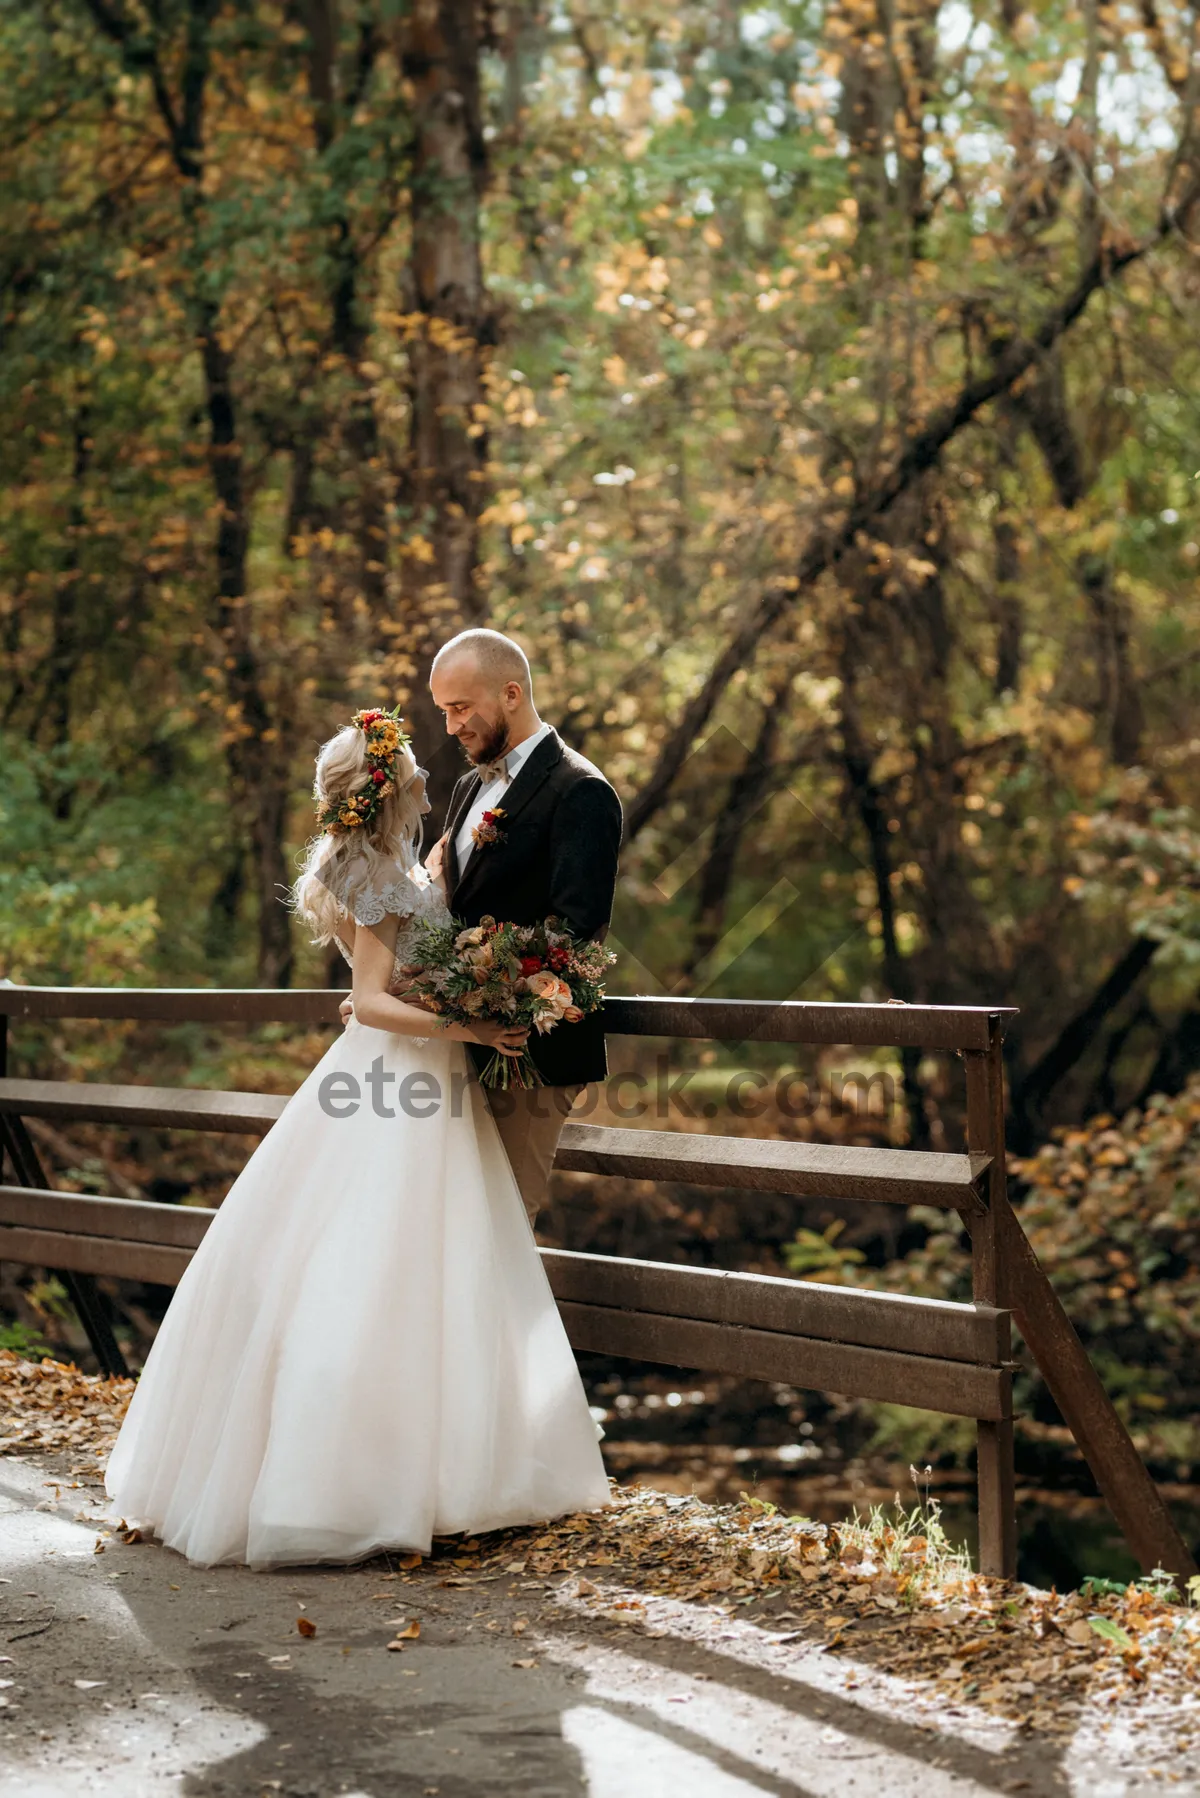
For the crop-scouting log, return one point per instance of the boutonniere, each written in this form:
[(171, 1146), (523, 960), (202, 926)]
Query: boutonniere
[(489, 828)]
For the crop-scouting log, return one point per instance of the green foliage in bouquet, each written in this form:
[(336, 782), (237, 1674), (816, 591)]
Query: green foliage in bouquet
[(538, 975)]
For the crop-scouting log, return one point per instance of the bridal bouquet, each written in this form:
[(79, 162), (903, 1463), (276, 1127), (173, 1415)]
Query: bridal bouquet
[(533, 974)]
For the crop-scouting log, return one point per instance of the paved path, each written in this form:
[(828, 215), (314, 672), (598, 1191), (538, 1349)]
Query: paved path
[(136, 1676)]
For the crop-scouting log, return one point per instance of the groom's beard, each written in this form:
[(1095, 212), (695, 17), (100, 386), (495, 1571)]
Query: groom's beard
[(494, 745)]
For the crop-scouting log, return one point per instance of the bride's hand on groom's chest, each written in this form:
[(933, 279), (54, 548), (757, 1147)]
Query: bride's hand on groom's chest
[(435, 861)]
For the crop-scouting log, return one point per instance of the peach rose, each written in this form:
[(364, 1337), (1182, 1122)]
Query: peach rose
[(549, 987), (556, 997)]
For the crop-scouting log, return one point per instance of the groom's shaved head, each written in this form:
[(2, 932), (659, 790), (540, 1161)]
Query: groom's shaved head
[(481, 682), (496, 657)]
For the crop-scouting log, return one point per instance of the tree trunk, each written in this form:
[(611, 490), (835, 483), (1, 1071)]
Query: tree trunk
[(256, 761), (348, 327), (523, 38), (255, 757), (746, 793), (1118, 702), (1006, 542), (221, 924), (865, 797), (63, 660), (450, 329), (1045, 408), (1008, 605)]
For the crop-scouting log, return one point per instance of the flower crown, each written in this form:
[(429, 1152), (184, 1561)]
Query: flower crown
[(385, 741)]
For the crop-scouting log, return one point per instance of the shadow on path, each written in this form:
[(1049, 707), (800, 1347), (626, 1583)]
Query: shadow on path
[(137, 1675)]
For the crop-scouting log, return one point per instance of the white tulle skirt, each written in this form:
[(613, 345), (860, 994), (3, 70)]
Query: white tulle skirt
[(365, 1351)]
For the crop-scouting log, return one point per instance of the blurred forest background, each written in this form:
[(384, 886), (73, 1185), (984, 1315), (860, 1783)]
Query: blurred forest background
[(812, 387)]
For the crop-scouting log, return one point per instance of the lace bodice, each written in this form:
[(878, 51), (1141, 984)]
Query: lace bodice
[(413, 898)]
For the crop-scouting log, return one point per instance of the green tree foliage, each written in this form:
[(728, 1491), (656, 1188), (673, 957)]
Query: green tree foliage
[(812, 390)]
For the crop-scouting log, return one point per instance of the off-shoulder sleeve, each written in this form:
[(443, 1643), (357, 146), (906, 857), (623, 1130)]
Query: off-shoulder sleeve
[(383, 898)]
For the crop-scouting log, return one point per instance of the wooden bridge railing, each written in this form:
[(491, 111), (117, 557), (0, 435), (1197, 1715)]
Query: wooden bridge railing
[(924, 1352)]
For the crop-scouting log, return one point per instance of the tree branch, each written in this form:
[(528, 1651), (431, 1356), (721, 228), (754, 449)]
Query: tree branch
[(140, 54), (1077, 1034), (920, 453)]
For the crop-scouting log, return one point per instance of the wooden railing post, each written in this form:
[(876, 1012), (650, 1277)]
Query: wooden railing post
[(995, 1480)]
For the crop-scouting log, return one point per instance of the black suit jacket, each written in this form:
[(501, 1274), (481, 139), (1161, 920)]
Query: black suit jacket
[(556, 857)]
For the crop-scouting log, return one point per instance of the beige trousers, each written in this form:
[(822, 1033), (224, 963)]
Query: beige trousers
[(530, 1121)]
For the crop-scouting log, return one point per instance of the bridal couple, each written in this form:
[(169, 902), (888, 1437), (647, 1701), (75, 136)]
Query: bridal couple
[(365, 1351)]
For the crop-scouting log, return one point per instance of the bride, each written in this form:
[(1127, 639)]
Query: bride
[(364, 1352)]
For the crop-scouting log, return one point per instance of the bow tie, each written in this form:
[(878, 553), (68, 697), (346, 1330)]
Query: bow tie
[(490, 771)]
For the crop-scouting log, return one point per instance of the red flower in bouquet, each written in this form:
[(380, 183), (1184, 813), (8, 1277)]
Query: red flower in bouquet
[(538, 975)]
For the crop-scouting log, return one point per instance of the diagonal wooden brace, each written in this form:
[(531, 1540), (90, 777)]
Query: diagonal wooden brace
[(1008, 1273), (81, 1288), (1088, 1412)]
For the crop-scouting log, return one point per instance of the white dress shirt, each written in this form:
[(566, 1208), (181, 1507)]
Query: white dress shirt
[(491, 793)]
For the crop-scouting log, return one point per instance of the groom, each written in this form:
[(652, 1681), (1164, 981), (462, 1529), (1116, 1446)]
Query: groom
[(550, 850)]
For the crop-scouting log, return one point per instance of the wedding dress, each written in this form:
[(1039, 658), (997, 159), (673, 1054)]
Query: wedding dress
[(364, 1352)]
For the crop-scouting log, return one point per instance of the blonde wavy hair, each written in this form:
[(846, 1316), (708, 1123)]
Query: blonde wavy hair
[(337, 870)]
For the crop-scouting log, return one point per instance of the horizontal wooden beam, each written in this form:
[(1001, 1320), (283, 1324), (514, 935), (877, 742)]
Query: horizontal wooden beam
[(953, 1387), (882, 1320), (128, 1220), (138, 1239), (925, 1381), (804, 1021), (172, 1107), (750, 1163), (175, 1004), (118, 1259), (762, 1164), (732, 1020)]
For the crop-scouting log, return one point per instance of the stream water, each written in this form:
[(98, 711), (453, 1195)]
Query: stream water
[(722, 1438)]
